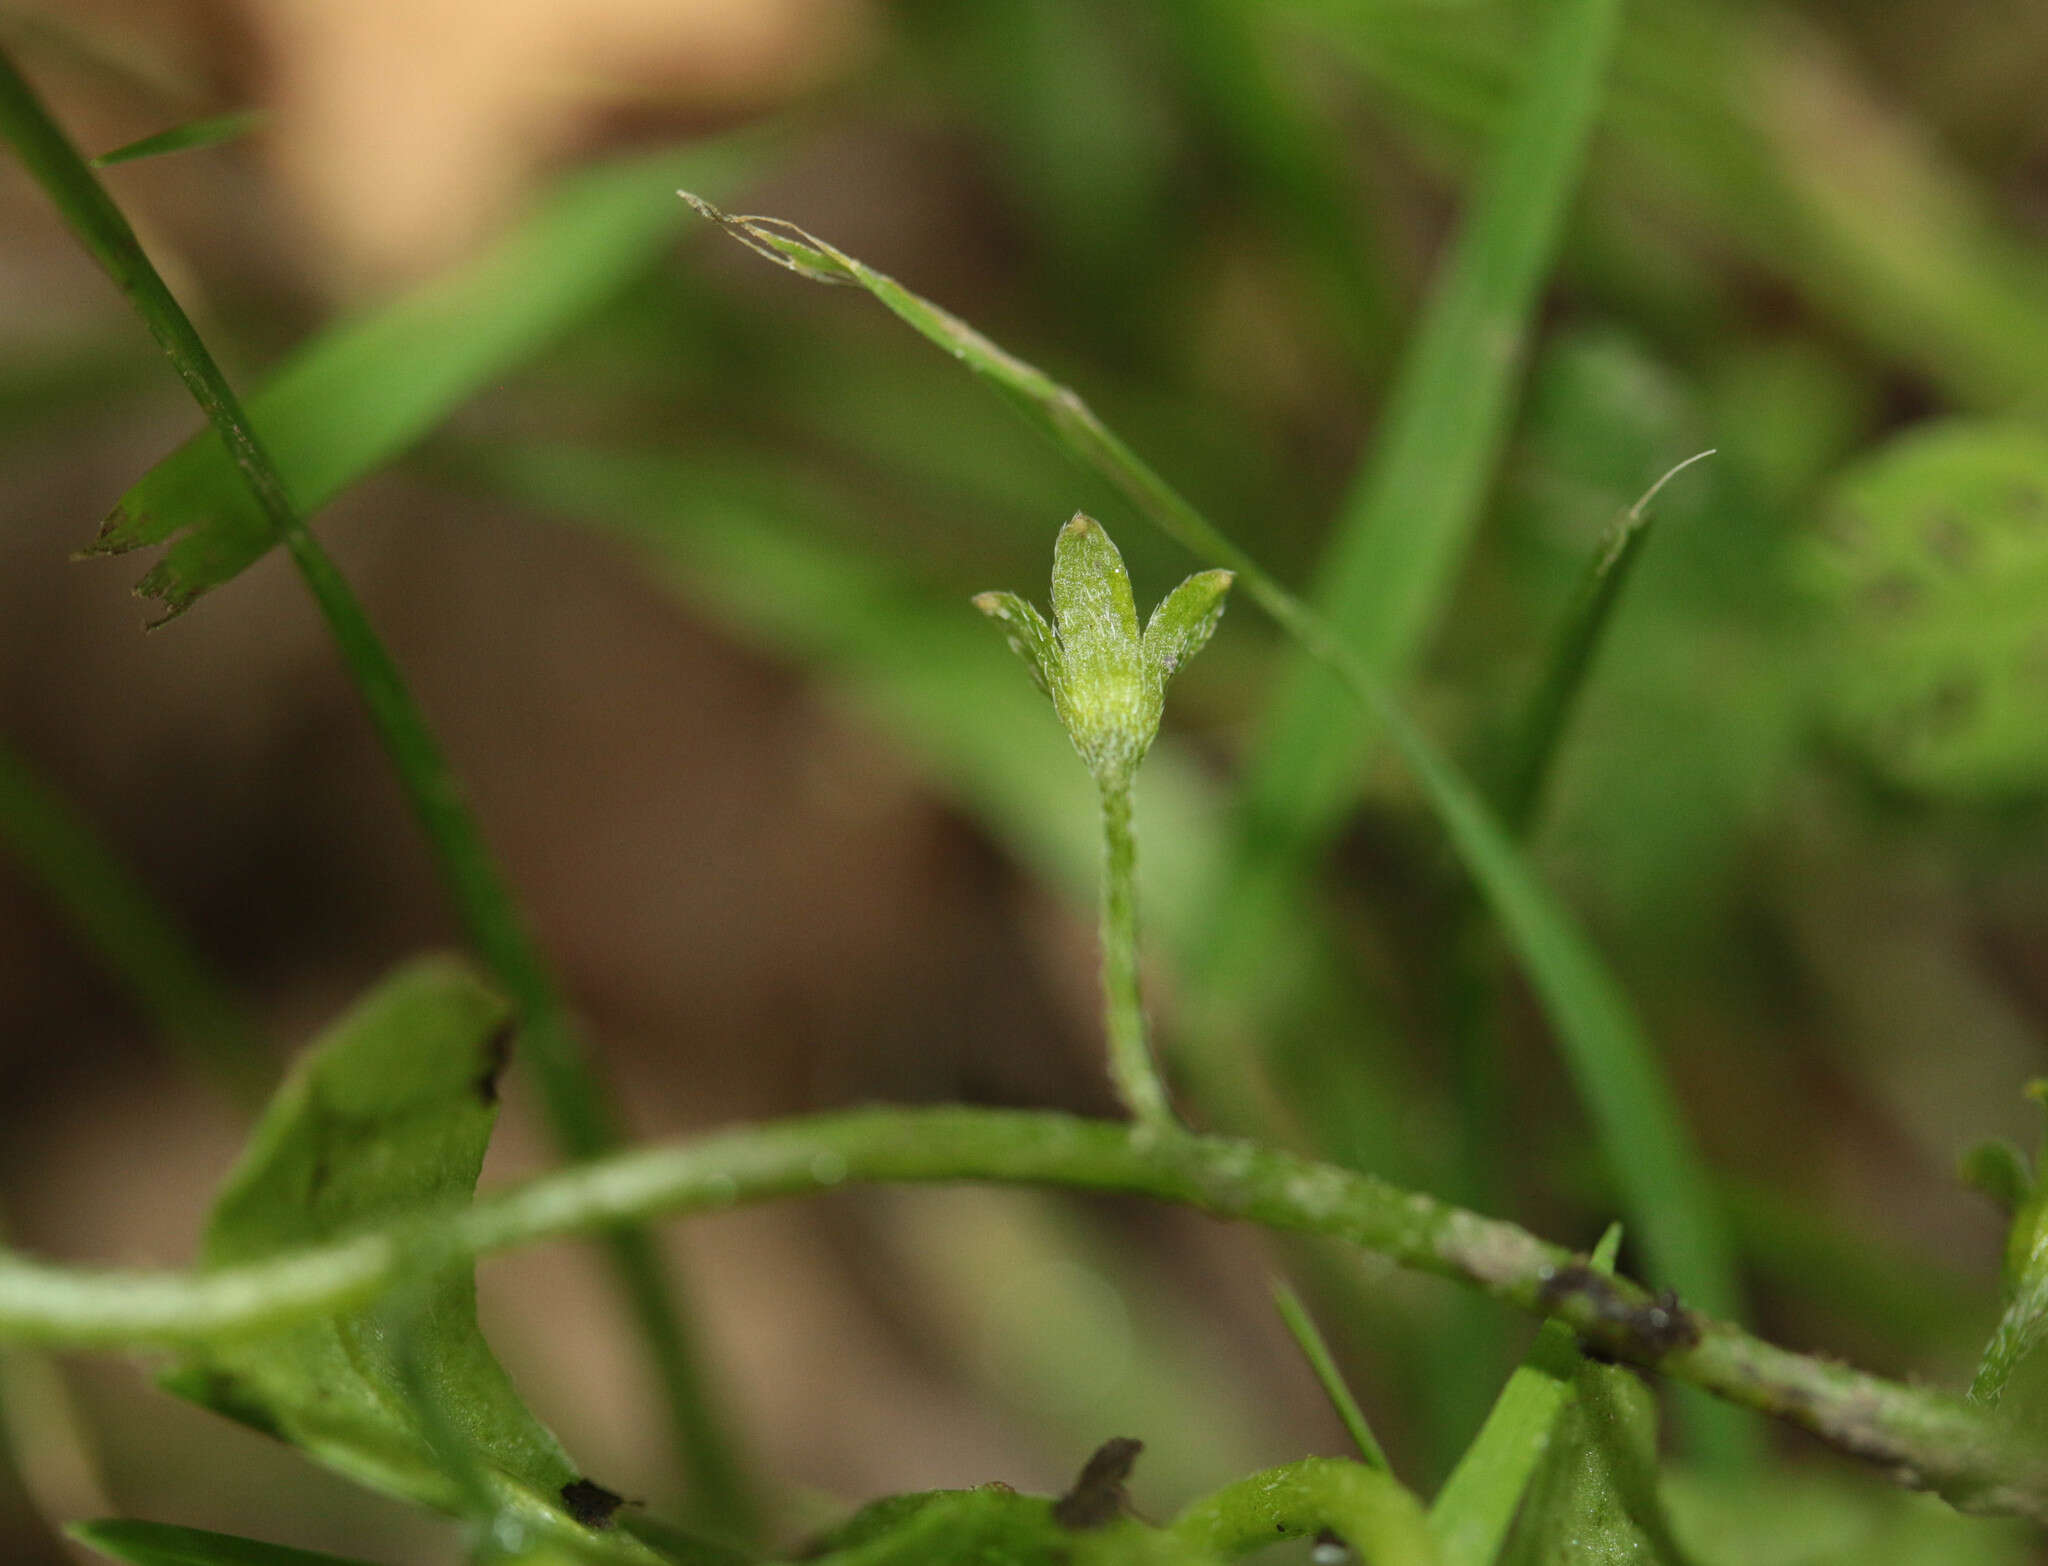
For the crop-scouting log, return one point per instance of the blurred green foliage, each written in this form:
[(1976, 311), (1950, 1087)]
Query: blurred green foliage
[(1825, 684)]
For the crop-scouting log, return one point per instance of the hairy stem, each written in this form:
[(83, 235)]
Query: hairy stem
[(1922, 1438), (1131, 1065)]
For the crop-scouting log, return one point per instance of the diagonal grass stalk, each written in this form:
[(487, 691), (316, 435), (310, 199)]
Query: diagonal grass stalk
[(581, 1117)]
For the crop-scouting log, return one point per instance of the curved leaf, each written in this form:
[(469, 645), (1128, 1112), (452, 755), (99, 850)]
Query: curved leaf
[(385, 1119)]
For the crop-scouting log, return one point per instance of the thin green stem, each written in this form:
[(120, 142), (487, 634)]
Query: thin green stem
[(1921, 1438), (576, 1107), (1131, 1065)]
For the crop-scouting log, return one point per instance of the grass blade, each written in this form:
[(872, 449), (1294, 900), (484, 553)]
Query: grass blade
[(1634, 1113), (1472, 1513), (1409, 520), (193, 134), (139, 943), (581, 1115), (364, 391), (1302, 1328), (1534, 747)]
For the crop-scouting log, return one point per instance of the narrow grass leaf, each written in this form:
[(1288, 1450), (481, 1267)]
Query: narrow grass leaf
[(161, 1544), (361, 393), (1302, 1328), (1538, 738), (1613, 1068), (1473, 1512), (209, 132), (138, 941), (1406, 527)]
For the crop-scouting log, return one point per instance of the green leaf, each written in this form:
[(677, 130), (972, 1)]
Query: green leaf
[(1932, 565), (208, 132), (1184, 621), (385, 1119), (1534, 748), (161, 1544), (1406, 526), (365, 390), (1595, 1500), (1472, 1513)]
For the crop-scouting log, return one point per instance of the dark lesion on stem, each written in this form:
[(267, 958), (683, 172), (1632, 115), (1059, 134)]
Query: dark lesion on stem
[(1642, 1330)]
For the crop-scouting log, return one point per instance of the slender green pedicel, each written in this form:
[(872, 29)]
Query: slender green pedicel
[(1107, 680)]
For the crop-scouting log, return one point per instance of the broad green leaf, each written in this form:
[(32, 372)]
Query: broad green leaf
[(161, 1544), (365, 390), (1472, 1513), (385, 1118), (209, 132), (1933, 565), (1595, 1501)]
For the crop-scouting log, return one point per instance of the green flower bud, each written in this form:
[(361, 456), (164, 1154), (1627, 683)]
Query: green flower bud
[(1107, 680)]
